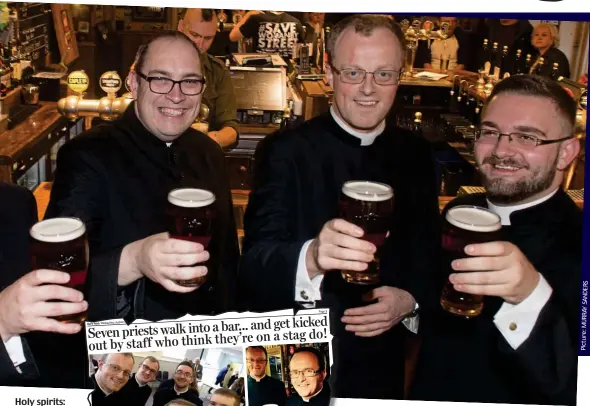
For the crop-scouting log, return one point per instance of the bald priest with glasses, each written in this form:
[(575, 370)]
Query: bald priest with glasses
[(116, 178)]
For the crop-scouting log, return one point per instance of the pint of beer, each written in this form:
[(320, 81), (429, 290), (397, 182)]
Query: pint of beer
[(368, 205), (190, 216), (61, 244), (466, 225)]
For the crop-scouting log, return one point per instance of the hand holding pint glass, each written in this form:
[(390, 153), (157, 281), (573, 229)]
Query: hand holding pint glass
[(465, 225), (61, 244), (368, 205), (190, 216)]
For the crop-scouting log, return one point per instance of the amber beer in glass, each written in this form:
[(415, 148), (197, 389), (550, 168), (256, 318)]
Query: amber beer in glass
[(368, 205), (190, 216), (465, 225), (60, 244)]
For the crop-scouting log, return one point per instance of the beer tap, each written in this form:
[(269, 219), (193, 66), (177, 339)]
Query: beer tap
[(452, 101), (419, 32), (107, 108), (110, 107)]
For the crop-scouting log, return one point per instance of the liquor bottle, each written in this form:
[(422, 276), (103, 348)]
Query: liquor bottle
[(494, 59), (527, 64), (486, 53), (4, 80), (417, 125), (518, 62), (504, 59), (540, 66), (555, 72)]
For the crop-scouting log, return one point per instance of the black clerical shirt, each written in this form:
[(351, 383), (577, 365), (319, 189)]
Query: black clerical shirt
[(297, 186), (116, 178)]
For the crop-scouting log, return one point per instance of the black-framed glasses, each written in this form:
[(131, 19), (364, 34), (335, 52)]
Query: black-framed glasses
[(116, 369), (308, 373), (150, 370), (488, 136), (381, 77), (187, 375), (161, 85)]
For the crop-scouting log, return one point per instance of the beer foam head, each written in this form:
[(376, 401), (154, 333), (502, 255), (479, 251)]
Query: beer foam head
[(191, 198), (474, 218), (59, 229), (367, 191)]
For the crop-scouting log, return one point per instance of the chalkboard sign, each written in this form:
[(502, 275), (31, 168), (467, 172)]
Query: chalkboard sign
[(32, 30)]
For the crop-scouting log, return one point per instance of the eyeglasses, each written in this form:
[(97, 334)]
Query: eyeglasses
[(257, 360), (116, 369), (150, 370), (160, 85), (308, 373), (187, 375), (487, 136), (382, 77)]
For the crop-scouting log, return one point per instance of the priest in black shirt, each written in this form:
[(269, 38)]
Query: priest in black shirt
[(137, 390), (294, 241), (179, 387), (116, 178), (523, 347), (262, 389), (113, 373), (308, 373)]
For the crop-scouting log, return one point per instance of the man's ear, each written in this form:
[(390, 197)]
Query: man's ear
[(330, 75), (569, 150)]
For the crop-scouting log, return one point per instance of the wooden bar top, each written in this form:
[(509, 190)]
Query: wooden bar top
[(38, 124)]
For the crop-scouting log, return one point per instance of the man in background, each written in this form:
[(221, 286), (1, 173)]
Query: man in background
[(201, 25), (137, 391), (272, 32), (198, 369), (262, 389), (224, 397)]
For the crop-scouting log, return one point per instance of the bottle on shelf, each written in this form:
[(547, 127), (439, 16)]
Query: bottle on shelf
[(555, 71), (486, 53), (540, 66), (417, 125), (518, 62), (528, 64), (504, 59), (494, 59)]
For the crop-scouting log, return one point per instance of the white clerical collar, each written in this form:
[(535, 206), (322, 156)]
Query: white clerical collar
[(313, 396), (366, 138), (106, 392), (505, 211), (258, 379), (138, 383), (180, 393)]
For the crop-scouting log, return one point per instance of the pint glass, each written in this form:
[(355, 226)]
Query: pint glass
[(465, 225), (190, 216), (61, 244), (368, 205)]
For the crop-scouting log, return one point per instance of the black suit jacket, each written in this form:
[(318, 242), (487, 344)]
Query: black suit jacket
[(53, 360), (470, 361), (18, 212), (296, 190), (116, 178)]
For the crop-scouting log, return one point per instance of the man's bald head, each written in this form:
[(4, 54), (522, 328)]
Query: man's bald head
[(200, 25)]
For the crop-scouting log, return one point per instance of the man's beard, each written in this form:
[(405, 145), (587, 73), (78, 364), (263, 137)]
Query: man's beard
[(503, 192)]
